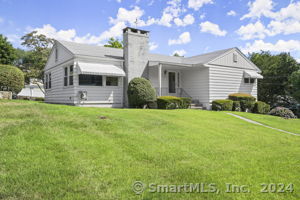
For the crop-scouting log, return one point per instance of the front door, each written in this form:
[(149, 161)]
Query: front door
[(172, 82)]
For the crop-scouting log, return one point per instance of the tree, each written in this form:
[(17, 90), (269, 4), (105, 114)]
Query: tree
[(7, 51), (11, 78), (35, 59), (276, 70), (295, 83), (140, 93), (114, 43), (176, 54)]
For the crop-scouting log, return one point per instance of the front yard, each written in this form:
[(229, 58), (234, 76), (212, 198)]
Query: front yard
[(64, 152)]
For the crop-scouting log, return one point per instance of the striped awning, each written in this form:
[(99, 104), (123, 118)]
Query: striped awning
[(252, 74), (100, 69)]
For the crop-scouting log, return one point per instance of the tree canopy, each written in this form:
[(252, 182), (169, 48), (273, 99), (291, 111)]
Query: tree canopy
[(276, 70), (33, 61), (114, 43), (7, 51)]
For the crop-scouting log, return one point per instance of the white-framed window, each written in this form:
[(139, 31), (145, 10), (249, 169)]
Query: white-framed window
[(66, 76), (71, 75), (56, 54), (249, 80), (90, 80), (48, 81), (235, 59), (112, 81)]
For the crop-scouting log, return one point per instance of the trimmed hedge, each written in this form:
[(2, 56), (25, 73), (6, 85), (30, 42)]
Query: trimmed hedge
[(261, 107), (171, 102), (11, 79), (282, 112), (236, 106), (140, 93), (241, 97), (222, 104)]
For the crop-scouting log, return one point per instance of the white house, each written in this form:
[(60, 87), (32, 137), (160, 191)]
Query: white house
[(87, 75), (35, 89)]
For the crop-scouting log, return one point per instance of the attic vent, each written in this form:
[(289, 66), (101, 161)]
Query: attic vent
[(234, 57)]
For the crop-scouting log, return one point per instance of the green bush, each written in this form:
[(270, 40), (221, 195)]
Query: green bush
[(241, 97), (11, 78), (282, 112), (247, 106), (171, 102), (236, 106), (140, 93), (222, 104), (261, 107)]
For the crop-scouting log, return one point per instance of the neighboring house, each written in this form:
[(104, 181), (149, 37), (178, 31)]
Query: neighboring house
[(32, 91), (87, 75)]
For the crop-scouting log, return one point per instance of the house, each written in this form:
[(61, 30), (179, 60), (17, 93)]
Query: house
[(87, 75), (34, 90)]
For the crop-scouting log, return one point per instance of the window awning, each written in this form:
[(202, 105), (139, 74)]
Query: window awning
[(252, 74), (100, 69)]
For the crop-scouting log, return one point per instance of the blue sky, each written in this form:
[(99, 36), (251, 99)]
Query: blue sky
[(190, 27)]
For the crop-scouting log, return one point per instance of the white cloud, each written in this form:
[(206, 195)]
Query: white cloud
[(252, 31), (152, 46), (202, 16), (291, 11), (231, 13), (179, 52), (197, 4), (259, 8), (279, 46), (172, 11), (51, 32), (187, 20), (286, 27), (183, 39), (119, 1), (212, 28)]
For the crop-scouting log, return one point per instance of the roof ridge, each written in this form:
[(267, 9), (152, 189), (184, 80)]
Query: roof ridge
[(212, 52)]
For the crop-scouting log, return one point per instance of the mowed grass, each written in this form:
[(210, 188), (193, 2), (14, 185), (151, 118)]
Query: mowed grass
[(63, 152), (292, 125)]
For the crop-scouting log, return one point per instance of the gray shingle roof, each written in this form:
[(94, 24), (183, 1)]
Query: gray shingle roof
[(205, 58), (100, 51), (92, 50)]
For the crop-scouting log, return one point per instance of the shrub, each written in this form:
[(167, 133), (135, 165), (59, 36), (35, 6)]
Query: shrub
[(261, 107), (241, 97), (140, 93), (247, 106), (186, 102), (222, 104), (236, 106), (282, 112), (39, 99), (171, 102), (11, 78)]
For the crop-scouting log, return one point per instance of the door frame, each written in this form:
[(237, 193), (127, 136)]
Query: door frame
[(176, 82)]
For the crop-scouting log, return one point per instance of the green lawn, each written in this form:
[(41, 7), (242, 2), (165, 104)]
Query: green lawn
[(63, 152), (292, 125)]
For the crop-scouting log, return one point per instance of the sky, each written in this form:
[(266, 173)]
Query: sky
[(188, 27)]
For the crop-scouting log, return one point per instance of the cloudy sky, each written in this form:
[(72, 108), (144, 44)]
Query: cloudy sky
[(189, 27)]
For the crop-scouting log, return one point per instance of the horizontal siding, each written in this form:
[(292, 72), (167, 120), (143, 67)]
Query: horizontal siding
[(108, 96), (195, 83), (226, 80), (58, 93)]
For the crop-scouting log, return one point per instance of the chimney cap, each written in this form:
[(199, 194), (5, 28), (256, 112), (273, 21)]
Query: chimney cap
[(134, 30)]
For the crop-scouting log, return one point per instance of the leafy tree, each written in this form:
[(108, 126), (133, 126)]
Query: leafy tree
[(35, 59), (295, 82), (276, 70), (114, 43), (7, 52), (11, 78), (176, 54)]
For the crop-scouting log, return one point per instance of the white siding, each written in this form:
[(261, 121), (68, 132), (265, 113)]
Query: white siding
[(227, 60), (226, 80), (63, 56), (195, 83), (58, 92)]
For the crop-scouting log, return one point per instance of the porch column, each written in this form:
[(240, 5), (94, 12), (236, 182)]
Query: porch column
[(159, 79)]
